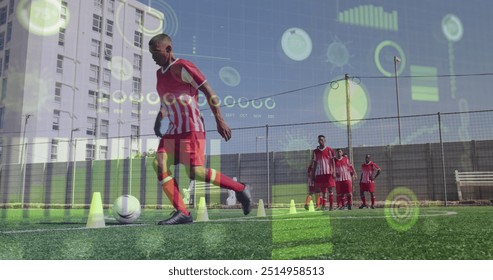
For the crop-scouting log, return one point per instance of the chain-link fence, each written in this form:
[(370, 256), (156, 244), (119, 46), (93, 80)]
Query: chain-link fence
[(273, 159)]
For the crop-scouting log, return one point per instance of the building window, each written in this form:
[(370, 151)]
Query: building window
[(9, 32), (61, 37), (97, 22), (103, 152), (4, 89), (95, 47), (2, 40), (56, 120), (3, 15), (92, 100), (106, 77), (90, 151), (6, 60), (58, 93), (110, 6), (11, 7), (63, 11), (94, 73), (59, 64), (134, 131), (138, 39), (104, 102), (54, 150), (139, 16), (98, 4), (109, 28), (135, 109), (137, 62), (108, 51), (91, 126), (136, 85), (104, 128), (1, 116)]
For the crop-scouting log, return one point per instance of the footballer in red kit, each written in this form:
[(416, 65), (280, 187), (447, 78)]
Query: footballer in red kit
[(344, 184), (369, 172), (323, 165), (183, 140)]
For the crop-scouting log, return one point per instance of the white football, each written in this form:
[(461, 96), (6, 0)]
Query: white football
[(126, 209)]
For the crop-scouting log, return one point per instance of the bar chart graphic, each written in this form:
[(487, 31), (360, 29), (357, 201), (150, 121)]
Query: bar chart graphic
[(370, 16)]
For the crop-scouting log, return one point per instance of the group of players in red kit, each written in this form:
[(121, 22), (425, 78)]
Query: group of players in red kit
[(328, 169)]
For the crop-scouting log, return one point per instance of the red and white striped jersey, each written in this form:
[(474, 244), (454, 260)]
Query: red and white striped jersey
[(367, 170), (343, 169), (323, 157), (179, 95)]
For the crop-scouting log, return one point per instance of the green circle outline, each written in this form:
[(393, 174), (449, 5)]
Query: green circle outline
[(389, 214), (402, 56)]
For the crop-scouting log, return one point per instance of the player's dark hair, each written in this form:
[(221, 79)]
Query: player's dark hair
[(159, 38), (321, 136)]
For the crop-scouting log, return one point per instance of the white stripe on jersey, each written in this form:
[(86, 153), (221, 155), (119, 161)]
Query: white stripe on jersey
[(343, 169), (366, 176), (323, 159)]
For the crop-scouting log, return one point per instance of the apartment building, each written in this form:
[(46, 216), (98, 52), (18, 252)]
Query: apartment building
[(76, 79)]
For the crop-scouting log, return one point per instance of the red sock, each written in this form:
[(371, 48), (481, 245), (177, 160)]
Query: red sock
[(331, 200), (372, 199), (343, 200), (339, 201), (319, 200), (324, 201), (350, 199), (170, 188), (222, 180), (363, 198)]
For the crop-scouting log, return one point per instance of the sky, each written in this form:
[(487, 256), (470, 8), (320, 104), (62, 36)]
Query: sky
[(284, 62)]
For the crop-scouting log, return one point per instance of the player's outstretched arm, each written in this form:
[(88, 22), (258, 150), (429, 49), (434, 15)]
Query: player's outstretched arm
[(213, 101)]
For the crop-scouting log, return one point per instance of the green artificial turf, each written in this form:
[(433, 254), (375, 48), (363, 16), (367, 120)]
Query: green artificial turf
[(368, 234)]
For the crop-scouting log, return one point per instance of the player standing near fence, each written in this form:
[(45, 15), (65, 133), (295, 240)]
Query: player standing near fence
[(323, 166), (183, 141), (369, 172), (344, 184)]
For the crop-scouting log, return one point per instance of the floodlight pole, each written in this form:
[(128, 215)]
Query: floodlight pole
[(397, 60), (23, 163), (348, 117)]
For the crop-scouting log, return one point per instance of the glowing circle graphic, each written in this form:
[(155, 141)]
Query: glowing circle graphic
[(337, 54), (42, 17), (384, 55), (452, 28), (401, 211), (170, 21), (296, 44), (335, 102), (121, 68), (230, 76)]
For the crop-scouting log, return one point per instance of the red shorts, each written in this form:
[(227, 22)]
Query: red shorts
[(344, 187), (312, 189), (367, 187), (187, 148), (324, 182)]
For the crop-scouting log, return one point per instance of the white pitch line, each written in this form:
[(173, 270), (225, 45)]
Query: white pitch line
[(240, 219)]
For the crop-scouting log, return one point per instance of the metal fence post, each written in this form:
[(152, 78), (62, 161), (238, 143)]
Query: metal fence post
[(443, 159), (269, 202)]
